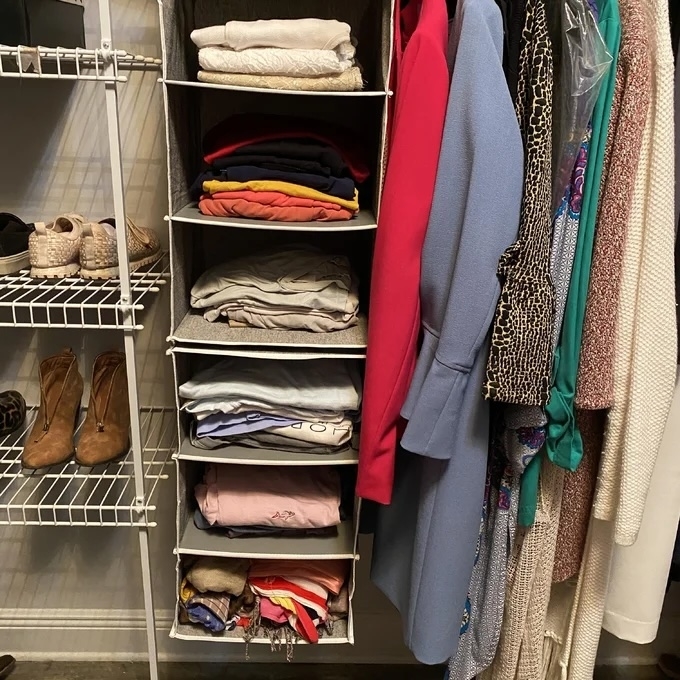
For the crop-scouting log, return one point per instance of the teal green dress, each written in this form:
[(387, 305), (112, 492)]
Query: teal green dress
[(563, 440)]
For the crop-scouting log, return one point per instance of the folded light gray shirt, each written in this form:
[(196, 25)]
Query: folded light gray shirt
[(300, 287), (204, 408), (317, 384)]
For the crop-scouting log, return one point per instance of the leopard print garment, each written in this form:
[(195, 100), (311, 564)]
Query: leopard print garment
[(520, 360), (12, 411)]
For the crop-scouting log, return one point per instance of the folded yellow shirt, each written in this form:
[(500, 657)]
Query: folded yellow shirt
[(214, 186)]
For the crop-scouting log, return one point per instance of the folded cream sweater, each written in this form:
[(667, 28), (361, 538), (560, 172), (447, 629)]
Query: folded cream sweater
[(306, 34), (274, 61), (346, 81)]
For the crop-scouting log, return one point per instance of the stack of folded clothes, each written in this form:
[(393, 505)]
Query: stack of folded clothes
[(241, 501), (299, 598), (293, 406), (281, 54), (297, 288), (300, 593), (280, 168), (214, 594)]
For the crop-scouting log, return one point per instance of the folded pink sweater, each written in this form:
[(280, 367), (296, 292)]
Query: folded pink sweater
[(289, 498)]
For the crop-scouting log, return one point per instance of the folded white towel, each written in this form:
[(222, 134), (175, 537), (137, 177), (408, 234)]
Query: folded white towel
[(274, 61), (307, 34)]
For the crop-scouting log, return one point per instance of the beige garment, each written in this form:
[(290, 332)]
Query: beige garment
[(640, 572), (645, 351), (572, 631), (270, 317), (347, 81), (530, 571), (309, 34), (645, 358)]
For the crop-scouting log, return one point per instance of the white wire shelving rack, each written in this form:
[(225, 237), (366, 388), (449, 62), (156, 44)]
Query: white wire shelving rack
[(60, 63), (75, 302), (119, 494), (71, 495)]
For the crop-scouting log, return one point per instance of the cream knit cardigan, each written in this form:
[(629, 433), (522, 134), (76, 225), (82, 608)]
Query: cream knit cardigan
[(644, 378), (645, 360)]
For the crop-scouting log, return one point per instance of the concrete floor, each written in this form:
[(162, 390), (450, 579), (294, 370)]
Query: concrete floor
[(282, 671)]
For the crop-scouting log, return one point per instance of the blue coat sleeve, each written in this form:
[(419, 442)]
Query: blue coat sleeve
[(474, 218)]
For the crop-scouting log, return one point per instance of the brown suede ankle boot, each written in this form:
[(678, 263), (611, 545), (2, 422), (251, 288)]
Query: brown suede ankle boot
[(106, 432), (61, 389)]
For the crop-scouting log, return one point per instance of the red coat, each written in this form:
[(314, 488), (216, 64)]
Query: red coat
[(422, 90)]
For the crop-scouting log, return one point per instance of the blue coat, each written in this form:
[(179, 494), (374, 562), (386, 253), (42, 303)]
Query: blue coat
[(425, 541)]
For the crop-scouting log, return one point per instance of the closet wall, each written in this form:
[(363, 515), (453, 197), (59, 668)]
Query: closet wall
[(76, 593)]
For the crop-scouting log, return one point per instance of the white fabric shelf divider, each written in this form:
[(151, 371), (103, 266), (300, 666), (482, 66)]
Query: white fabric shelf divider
[(266, 90), (186, 631), (244, 455), (71, 495), (365, 220), (263, 353), (80, 64), (200, 542), (195, 329), (75, 302)]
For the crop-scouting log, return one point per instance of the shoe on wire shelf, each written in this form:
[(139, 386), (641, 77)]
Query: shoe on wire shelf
[(99, 255), (14, 235), (54, 248)]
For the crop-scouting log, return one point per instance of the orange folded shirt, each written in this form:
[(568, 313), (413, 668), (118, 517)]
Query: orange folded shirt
[(271, 205), (331, 574)]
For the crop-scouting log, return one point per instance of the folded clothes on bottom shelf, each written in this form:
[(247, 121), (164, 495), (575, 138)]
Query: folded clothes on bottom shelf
[(303, 597)]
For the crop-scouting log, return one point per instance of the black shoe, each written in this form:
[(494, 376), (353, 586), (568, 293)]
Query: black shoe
[(7, 663), (13, 244)]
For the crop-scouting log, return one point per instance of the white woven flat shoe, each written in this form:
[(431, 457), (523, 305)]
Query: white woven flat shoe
[(54, 248), (98, 253)]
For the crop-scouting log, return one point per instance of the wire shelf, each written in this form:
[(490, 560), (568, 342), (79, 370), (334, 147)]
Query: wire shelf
[(71, 495), (77, 303), (61, 63)]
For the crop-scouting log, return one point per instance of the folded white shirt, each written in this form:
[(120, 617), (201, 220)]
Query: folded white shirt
[(274, 61), (306, 34)]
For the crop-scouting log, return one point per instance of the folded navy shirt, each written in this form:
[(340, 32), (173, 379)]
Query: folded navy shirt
[(300, 150), (341, 187), (273, 163)]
